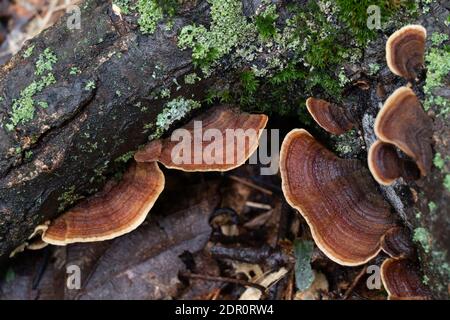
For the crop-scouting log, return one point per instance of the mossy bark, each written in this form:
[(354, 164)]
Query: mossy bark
[(108, 79), (98, 110)]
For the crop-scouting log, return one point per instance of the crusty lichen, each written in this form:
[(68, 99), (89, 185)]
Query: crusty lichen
[(173, 111), (23, 108), (438, 68)]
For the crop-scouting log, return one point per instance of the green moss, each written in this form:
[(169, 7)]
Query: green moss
[(422, 237), (266, 22), (174, 110), (23, 108), (354, 14)]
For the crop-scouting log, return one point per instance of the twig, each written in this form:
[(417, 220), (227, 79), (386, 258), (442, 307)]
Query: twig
[(258, 205), (354, 283), (222, 279), (251, 185)]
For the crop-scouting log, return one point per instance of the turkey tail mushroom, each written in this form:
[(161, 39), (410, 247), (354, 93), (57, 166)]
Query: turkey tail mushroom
[(337, 197), (117, 210), (405, 51), (219, 141), (331, 117), (403, 123)]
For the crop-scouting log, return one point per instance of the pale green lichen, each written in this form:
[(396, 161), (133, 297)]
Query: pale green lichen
[(228, 28), (125, 157), (438, 161), (124, 6), (173, 111), (68, 198), (422, 237), (447, 182), (438, 66), (150, 13), (438, 38), (90, 85), (191, 78), (28, 52), (23, 108), (374, 68), (74, 71)]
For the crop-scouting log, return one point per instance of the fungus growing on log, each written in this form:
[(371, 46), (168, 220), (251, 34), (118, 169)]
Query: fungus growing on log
[(403, 123), (396, 242), (386, 166), (115, 211), (331, 117), (405, 51), (218, 141), (337, 198), (402, 280)]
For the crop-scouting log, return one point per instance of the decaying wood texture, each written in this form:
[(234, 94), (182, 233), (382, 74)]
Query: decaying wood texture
[(82, 131), (103, 111)]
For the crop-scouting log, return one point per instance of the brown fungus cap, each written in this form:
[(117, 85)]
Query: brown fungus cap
[(337, 198), (115, 211), (403, 123), (386, 166), (396, 242), (402, 280), (207, 154), (405, 50), (330, 117)]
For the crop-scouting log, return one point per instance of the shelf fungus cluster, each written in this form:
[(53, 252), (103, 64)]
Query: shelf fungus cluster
[(337, 197), (349, 219), (117, 210), (331, 117), (402, 123), (220, 141), (405, 51), (402, 280), (121, 207), (400, 276)]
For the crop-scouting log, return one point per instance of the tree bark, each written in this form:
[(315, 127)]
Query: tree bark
[(103, 112), (92, 117)]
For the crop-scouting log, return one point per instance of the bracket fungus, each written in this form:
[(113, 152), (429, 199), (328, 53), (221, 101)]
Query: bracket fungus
[(337, 198), (386, 166), (396, 242), (402, 280), (218, 141), (115, 211), (405, 51), (331, 117), (403, 123)]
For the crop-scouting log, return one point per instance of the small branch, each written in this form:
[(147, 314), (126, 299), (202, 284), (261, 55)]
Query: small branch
[(222, 279), (354, 283)]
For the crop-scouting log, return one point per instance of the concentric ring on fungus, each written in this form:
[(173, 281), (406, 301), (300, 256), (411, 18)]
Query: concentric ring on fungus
[(337, 197), (115, 211)]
